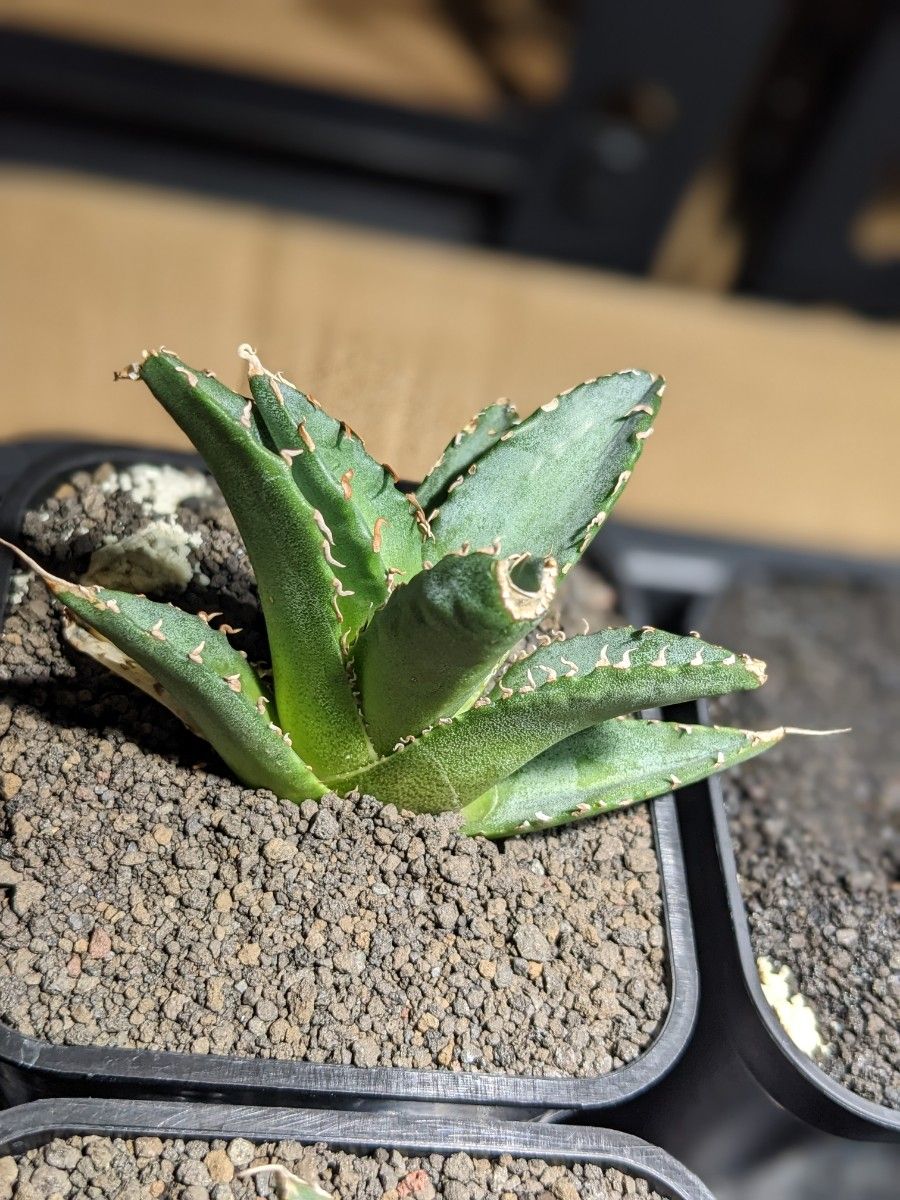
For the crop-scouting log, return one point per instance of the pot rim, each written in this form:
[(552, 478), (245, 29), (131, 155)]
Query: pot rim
[(29, 1125)]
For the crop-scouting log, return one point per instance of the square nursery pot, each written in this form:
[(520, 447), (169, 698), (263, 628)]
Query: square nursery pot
[(230, 1129), (31, 1067), (694, 583)]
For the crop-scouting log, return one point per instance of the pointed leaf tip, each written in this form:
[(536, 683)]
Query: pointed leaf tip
[(610, 766), (465, 449), (181, 662), (53, 582), (792, 729)]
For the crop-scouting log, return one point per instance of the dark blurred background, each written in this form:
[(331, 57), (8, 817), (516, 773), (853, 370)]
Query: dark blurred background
[(335, 178), (415, 206), (732, 146)]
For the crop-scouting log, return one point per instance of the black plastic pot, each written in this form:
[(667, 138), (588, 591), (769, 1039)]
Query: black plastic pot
[(30, 1068), (679, 578), (33, 1124)]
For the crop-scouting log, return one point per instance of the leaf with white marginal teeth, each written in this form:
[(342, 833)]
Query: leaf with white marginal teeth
[(372, 526), (613, 765), (429, 652), (652, 668), (548, 484), (298, 591), (454, 763), (239, 408), (466, 448), (192, 669)]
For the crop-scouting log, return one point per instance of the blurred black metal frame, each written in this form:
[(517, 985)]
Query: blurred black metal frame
[(593, 177), (803, 191), (655, 91)]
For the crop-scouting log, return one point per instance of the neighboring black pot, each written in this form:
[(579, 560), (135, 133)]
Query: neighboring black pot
[(31, 1068), (679, 578), (30, 1125)]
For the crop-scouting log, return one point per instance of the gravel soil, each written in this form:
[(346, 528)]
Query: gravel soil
[(147, 900), (815, 822), (90, 1168)]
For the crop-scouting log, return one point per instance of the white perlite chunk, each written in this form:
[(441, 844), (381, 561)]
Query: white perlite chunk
[(159, 489), (18, 587), (791, 1008), (157, 556), (151, 560)]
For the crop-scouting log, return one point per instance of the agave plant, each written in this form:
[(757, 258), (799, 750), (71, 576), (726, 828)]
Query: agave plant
[(395, 622)]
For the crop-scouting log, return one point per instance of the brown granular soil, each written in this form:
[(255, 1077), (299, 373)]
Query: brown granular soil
[(816, 823)]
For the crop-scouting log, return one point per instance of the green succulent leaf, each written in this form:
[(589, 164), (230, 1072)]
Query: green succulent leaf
[(482, 432), (192, 669), (548, 484), (615, 764), (298, 589), (651, 668), (430, 651), (461, 758), (346, 537), (377, 534), (239, 408)]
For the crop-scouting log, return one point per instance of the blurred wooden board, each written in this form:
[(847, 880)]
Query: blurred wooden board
[(401, 51), (778, 424)]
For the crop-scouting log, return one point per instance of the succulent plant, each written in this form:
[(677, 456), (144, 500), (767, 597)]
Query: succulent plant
[(395, 622)]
